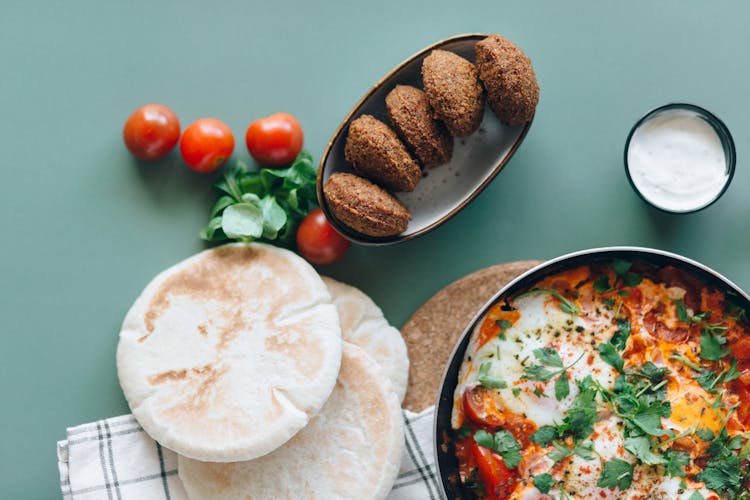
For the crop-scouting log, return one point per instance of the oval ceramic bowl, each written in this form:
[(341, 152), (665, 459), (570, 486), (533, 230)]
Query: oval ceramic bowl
[(443, 434), (446, 189)]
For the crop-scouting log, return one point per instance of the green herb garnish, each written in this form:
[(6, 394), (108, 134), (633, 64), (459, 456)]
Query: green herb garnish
[(543, 482), (711, 346), (601, 284), (488, 380), (616, 473), (504, 324), (549, 358), (266, 204), (503, 443), (566, 306)]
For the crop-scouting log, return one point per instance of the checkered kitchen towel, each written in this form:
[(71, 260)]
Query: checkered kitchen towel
[(114, 459)]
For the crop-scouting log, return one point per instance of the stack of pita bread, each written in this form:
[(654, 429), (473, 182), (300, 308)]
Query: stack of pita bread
[(267, 380)]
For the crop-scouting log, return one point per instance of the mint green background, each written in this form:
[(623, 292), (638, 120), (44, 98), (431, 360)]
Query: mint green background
[(84, 226)]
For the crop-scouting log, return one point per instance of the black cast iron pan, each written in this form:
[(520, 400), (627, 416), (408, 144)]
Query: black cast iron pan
[(445, 459)]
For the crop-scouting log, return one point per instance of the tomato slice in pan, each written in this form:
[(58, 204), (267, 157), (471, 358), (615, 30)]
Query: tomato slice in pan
[(480, 408), (497, 478)]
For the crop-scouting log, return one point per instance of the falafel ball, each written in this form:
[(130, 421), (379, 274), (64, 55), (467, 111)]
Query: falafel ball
[(412, 117), (507, 74), (376, 152), (365, 207), (454, 92)]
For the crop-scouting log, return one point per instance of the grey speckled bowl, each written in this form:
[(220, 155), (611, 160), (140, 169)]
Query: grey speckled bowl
[(445, 190)]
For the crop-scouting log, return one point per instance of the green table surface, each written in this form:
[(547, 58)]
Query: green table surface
[(85, 226)]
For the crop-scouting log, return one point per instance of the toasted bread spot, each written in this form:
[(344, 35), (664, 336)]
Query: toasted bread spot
[(232, 329), (203, 330), (214, 278), (307, 356), (170, 376), (176, 375)]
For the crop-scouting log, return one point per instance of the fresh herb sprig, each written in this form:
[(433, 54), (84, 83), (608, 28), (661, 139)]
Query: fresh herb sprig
[(503, 443), (265, 204), (549, 358), (566, 305), (487, 380)]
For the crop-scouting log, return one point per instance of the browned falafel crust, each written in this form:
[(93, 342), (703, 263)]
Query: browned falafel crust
[(508, 77), (365, 207), (376, 152), (412, 117), (454, 92)]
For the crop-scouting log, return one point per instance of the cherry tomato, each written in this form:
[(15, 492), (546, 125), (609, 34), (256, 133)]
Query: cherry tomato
[(480, 409), (206, 145), (318, 242), (151, 132), (497, 478), (275, 141)]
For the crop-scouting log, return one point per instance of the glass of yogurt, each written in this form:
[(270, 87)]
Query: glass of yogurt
[(680, 158)]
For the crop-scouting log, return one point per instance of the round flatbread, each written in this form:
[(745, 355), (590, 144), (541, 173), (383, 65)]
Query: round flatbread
[(363, 324), (352, 449), (225, 356)]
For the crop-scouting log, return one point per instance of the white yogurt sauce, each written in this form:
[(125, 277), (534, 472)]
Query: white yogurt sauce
[(676, 161)]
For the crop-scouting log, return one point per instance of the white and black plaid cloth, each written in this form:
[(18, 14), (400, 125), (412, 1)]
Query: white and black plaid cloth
[(114, 459)]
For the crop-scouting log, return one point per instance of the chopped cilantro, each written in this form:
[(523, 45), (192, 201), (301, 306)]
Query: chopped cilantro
[(508, 448), (560, 452), (709, 379), (544, 435), (539, 393), (566, 306), (537, 372), (653, 373), (608, 353), (616, 473), (503, 443), (487, 380), (543, 482), (685, 361), (601, 285), (516, 391), (696, 496), (632, 279), (640, 446), (504, 325), (548, 357), (711, 346), (620, 338), (585, 450), (722, 473), (484, 438), (675, 462), (682, 313), (648, 419), (562, 386), (621, 266), (705, 434)]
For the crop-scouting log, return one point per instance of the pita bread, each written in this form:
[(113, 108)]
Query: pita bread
[(228, 354), (352, 449), (363, 324)]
